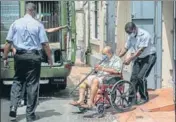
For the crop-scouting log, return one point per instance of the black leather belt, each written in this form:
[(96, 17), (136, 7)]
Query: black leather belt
[(27, 51)]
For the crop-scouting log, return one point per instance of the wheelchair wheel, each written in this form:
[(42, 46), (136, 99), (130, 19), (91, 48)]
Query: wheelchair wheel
[(122, 96)]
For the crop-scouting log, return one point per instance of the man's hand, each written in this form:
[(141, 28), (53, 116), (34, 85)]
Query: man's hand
[(13, 51), (127, 61), (65, 26), (6, 63), (98, 68), (122, 52), (50, 62)]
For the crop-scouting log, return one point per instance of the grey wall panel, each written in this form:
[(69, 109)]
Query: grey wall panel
[(148, 15), (143, 9)]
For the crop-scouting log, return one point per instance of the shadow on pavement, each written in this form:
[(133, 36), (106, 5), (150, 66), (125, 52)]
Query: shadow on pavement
[(47, 92), (43, 114)]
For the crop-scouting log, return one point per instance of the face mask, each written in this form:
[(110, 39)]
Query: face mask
[(132, 35), (105, 57)]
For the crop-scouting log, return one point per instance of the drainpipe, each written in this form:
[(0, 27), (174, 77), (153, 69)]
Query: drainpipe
[(88, 51), (155, 39), (174, 53)]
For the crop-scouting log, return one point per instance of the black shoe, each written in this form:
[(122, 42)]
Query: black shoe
[(12, 113), (33, 118), (141, 101)]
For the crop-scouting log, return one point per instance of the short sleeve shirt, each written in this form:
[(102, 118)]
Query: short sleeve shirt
[(27, 33), (115, 63), (143, 39)]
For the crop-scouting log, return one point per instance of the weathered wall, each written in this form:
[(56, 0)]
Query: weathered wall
[(167, 37)]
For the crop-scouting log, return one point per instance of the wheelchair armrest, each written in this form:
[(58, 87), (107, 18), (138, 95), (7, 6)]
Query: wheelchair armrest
[(117, 74), (112, 80)]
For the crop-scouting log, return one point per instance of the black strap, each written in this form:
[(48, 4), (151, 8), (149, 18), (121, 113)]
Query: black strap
[(27, 51)]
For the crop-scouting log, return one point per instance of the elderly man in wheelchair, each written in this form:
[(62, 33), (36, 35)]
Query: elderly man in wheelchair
[(108, 69)]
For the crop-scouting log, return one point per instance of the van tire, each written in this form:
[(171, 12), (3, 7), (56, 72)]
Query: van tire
[(62, 86)]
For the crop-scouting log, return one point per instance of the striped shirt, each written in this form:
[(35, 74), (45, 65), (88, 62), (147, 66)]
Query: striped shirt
[(115, 63), (27, 33)]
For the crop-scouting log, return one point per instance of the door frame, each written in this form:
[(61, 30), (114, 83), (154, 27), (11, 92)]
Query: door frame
[(158, 43)]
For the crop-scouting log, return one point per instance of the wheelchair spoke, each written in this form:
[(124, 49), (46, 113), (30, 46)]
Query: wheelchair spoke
[(130, 96), (127, 91), (121, 95), (125, 99), (118, 101)]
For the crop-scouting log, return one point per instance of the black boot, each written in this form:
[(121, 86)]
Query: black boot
[(12, 113), (142, 101), (32, 118)]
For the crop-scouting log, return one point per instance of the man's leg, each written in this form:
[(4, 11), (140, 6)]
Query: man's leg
[(147, 65), (94, 89), (15, 97), (133, 79), (93, 92), (82, 90), (23, 99), (16, 88), (32, 86)]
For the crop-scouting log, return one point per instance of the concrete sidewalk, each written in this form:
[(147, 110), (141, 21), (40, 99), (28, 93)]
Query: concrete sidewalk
[(160, 108)]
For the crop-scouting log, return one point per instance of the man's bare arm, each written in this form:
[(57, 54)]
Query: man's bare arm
[(134, 55), (123, 52), (105, 69), (47, 49), (110, 70), (6, 50), (51, 30)]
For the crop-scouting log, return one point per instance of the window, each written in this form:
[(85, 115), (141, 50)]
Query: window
[(10, 11), (96, 19)]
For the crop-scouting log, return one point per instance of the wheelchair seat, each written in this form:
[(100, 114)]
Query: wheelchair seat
[(112, 80), (108, 83)]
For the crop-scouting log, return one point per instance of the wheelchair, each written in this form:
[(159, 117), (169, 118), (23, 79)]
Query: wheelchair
[(114, 92)]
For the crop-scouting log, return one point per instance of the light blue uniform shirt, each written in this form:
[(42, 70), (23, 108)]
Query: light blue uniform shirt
[(27, 33), (143, 39)]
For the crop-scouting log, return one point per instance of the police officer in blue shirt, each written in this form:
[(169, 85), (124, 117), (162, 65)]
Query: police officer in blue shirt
[(143, 53), (27, 36)]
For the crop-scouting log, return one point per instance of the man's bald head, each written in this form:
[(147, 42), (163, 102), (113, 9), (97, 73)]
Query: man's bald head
[(31, 9), (107, 51)]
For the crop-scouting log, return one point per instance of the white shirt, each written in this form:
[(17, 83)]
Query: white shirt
[(143, 39)]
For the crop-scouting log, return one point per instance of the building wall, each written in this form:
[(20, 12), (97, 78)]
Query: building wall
[(123, 16), (167, 37), (81, 42)]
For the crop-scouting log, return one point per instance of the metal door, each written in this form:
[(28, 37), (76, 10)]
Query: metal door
[(148, 15)]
